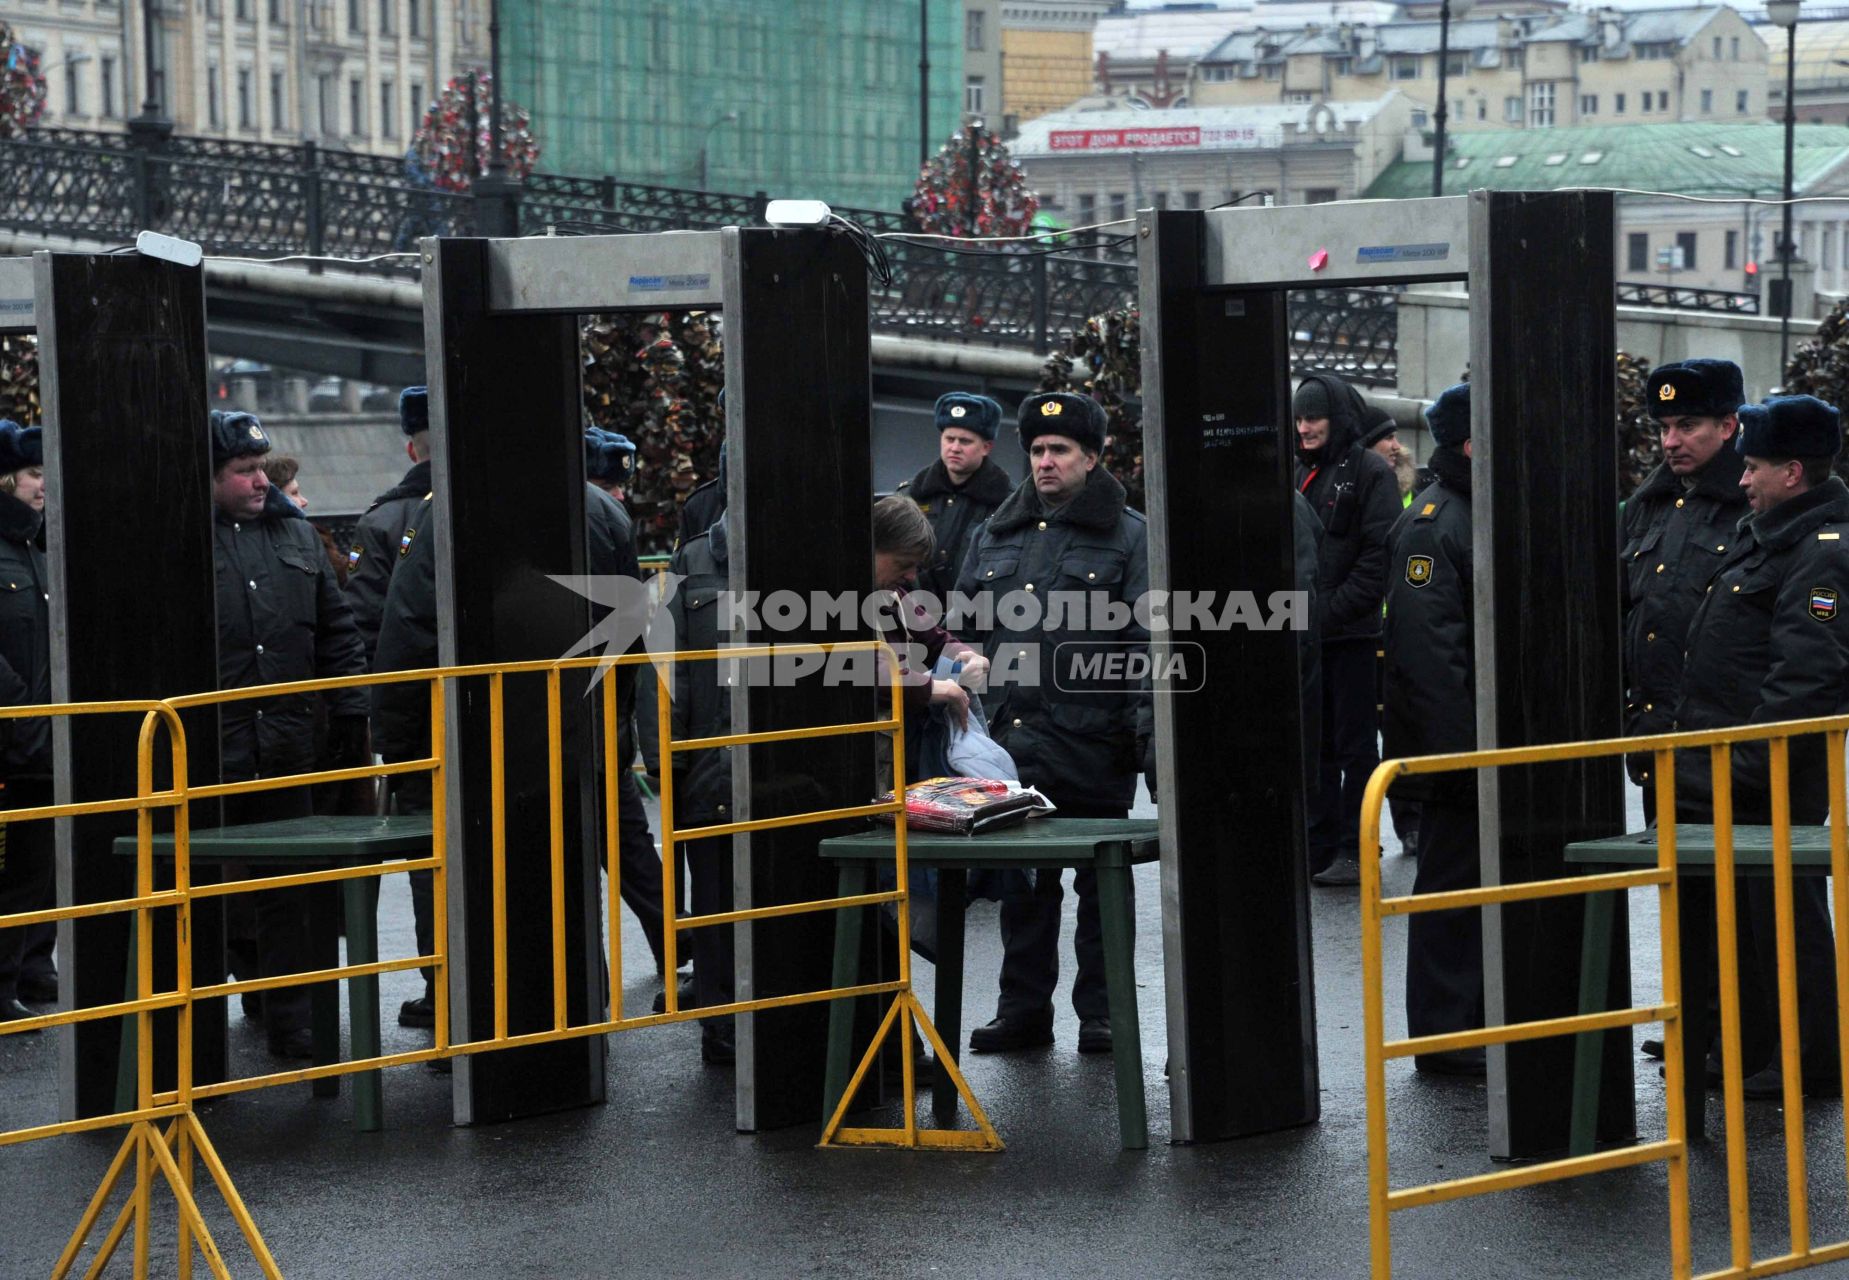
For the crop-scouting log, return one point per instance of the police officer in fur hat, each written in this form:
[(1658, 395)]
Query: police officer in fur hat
[(1064, 529), (1677, 528), (377, 536), (960, 490), (609, 461), (281, 618), (1767, 643), (1431, 701)]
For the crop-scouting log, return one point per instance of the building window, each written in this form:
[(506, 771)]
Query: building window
[(417, 105), (356, 106), (1662, 100), (109, 86), (388, 109), (246, 108), (1588, 104), (1190, 199), (73, 97), (1617, 104), (385, 17), (356, 20), (279, 100), (242, 9), (1088, 210), (211, 97), (276, 13), (1717, 48), (1120, 207), (1273, 70), (414, 19), (1161, 200), (1685, 241), (972, 95), (1457, 64), (1707, 102), (1588, 53), (1512, 110), (1732, 250), (1342, 66), (325, 103), (972, 30), (1319, 195), (214, 9), (1541, 104), (1740, 99), (1637, 251), (1405, 68), (1734, 48), (1420, 119), (1299, 97)]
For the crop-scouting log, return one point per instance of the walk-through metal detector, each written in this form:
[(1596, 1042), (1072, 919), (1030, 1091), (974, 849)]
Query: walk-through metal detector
[(1218, 451), (501, 317), (122, 386)]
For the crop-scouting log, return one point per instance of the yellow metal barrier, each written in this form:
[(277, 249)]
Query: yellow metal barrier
[(1384, 1201), (173, 1152)]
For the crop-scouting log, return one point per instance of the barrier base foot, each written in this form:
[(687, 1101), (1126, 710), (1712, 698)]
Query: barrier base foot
[(172, 1155), (904, 1012)]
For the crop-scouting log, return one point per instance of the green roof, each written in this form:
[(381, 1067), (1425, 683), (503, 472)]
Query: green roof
[(1694, 159)]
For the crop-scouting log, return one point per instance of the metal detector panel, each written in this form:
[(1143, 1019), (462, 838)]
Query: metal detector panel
[(122, 369), (1544, 498), (1235, 885), (1539, 269), (508, 449), (799, 416)]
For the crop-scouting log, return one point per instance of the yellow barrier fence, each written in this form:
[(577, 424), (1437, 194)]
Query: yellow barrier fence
[(1672, 1150), (173, 1152)]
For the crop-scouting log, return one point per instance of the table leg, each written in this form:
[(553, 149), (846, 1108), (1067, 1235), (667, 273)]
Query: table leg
[(1589, 1047), (361, 900), (853, 879), (1120, 984), (323, 997), (1695, 906), (952, 901)]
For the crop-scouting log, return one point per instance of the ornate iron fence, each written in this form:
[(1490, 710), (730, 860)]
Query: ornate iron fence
[(1681, 299)]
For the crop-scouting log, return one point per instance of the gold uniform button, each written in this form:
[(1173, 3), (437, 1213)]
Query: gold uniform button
[(1091, 575), (1648, 706), (1650, 636), (1017, 724), (1736, 586), (1030, 586), (1678, 502), (1043, 526), (1722, 547), (1659, 568), (950, 502)]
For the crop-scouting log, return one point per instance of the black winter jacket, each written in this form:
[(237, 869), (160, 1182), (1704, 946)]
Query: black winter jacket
[(1769, 642), (612, 553), (1675, 539), (1431, 696), (702, 696), (1357, 498), (25, 641), (281, 617), (374, 554), (955, 511), (1081, 743)]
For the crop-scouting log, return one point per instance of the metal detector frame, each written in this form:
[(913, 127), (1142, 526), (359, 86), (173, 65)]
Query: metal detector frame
[(1539, 270), (797, 363)]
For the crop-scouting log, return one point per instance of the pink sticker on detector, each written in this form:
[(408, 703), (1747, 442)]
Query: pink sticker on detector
[(1319, 260)]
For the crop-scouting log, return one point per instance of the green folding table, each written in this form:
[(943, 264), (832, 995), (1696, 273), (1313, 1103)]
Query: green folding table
[(1636, 850), (1109, 846), (304, 844)]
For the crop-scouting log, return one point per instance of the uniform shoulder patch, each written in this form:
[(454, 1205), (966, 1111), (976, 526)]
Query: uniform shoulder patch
[(1418, 571), (1428, 508), (404, 543), (1823, 603), (353, 555)]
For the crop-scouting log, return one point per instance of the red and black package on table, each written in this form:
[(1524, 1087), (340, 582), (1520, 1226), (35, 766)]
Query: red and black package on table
[(967, 806)]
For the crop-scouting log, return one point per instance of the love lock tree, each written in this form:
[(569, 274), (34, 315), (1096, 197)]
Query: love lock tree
[(19, 378), (1821, 367), (973, 187), (1104, 360), (22, 86), (452, 147)]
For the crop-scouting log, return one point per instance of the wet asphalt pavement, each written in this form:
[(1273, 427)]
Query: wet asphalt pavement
[(657, 1183)]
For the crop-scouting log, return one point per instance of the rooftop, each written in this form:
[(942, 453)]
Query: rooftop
[(1694, 159)]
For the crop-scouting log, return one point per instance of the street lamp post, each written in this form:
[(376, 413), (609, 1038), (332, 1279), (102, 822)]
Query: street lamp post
[(924, 82), (1444, 71), (150, 122), (497, 196), (1784, 13), (706, 139)]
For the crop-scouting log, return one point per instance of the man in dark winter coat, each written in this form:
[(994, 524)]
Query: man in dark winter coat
[(1357, 498), (960, 490), (377, 537), (1767, 643), (703, 779), (609, 461), (1431, 707), (1067, 530), (1677, 529), (281, 617), (706, 504), (27, 859)]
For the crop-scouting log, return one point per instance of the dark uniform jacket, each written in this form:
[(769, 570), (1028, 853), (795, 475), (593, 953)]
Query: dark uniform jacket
[(281, 617), (1356, 496), (955, 511), (1431, 703), (25, 641), (408, 642), (1675, 539), (1078, 745), (375, 549), (1769, 642), (702, 699)]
